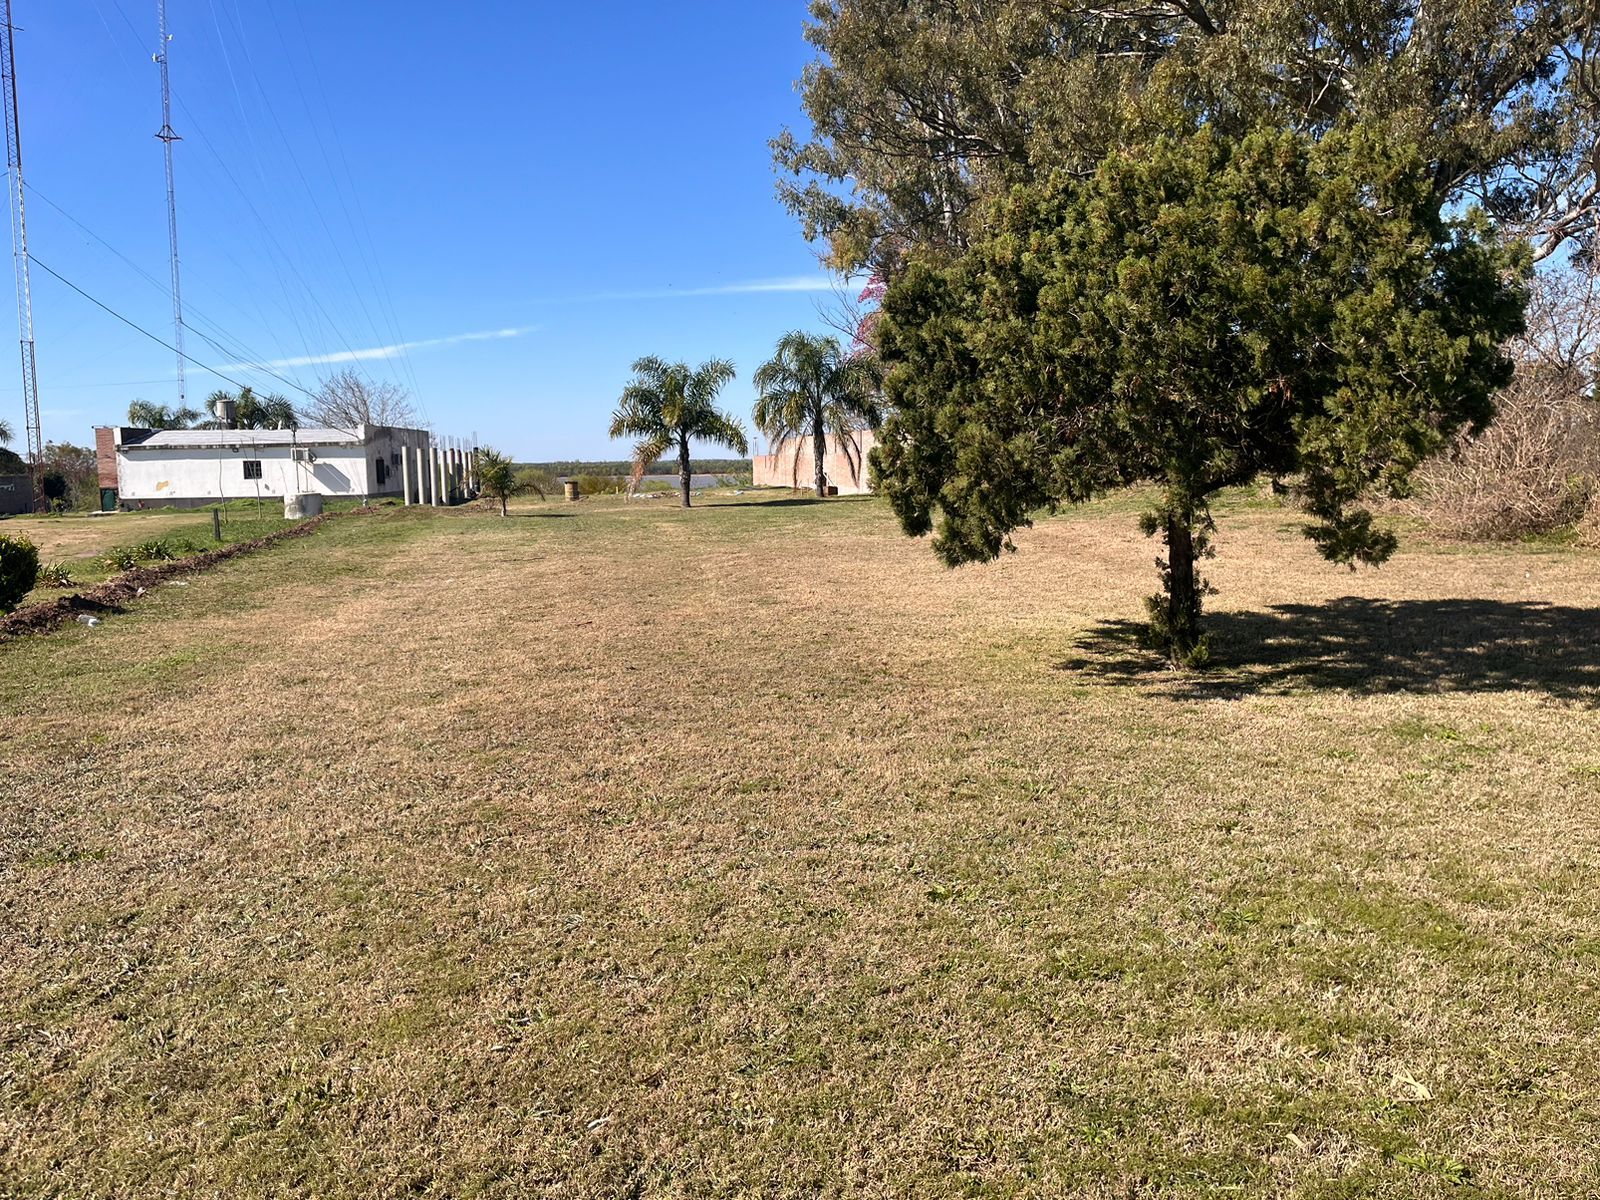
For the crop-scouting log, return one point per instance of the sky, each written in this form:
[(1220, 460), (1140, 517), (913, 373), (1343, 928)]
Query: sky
[(496, 205)]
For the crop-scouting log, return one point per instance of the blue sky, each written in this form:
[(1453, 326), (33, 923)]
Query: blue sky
[(529, 195)]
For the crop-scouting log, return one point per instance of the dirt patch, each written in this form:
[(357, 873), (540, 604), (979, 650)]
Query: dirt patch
[(108, 596)]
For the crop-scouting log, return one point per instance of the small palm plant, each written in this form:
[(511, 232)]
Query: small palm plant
[(812, 388), (667, 404), (498, 477)]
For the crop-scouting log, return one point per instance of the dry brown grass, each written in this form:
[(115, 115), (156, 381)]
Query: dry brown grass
[(616, 850), (62, 539)]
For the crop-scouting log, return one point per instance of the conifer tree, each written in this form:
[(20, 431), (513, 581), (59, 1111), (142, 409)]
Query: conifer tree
[(1193, 316)]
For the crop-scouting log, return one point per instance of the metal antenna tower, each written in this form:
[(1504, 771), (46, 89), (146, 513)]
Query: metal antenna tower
[(19, 249), (167, 137)]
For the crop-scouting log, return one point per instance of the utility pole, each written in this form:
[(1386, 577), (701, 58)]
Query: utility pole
[(19, 253), (167, 137)]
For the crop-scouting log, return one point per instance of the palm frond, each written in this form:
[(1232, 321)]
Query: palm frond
[(648, 451), (709, 378), (725, 431)]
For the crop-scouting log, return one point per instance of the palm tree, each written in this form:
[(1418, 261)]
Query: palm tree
[(667, 404), (812, 388), (5, 434), (145, 415), (251, 411)]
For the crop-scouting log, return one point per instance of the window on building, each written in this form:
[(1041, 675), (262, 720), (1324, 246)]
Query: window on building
[(252, 468), (381, 470)]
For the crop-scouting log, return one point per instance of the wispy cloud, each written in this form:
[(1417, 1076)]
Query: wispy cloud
[(749, 287), (380, 352)]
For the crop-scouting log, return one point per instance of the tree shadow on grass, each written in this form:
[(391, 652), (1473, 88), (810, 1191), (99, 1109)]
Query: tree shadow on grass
[(1373, 647), (786, 502)]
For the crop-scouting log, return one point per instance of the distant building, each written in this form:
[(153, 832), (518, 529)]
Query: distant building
[(792, 464), (192, 467), (16, 495)]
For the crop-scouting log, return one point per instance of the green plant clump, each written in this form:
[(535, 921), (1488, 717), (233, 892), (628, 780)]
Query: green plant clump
[(161, 549), (19, 570), (57, 575)]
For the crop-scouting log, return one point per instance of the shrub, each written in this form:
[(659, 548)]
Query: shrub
[(56, 575), (155, 550), (19, 570), (161, 549), (122, 558), (600, 485), (1589, 525), (1535, 470), (538, 481)]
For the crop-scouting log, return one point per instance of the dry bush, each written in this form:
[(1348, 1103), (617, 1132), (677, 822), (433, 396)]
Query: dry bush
[(1589, 523), (1536, 468)]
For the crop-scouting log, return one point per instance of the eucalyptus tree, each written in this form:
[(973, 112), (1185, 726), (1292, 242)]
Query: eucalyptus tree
[(667, 404), (812, 388), (922, 108), (1193, 316), (146, 414)]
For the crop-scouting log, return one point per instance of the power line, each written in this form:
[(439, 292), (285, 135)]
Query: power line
[(229, 344), (134, 325)]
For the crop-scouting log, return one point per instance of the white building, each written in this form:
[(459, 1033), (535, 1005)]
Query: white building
[(182, 467)]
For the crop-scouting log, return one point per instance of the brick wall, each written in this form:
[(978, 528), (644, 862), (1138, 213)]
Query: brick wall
[(847, 472), (105, 455)]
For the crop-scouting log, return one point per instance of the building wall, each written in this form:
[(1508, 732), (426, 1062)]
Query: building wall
[(781, 469), (175, 473), (105, 455), (16, 495), (388, 443), (160, 475)]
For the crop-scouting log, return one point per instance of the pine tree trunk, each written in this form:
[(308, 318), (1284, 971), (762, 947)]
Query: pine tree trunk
[(1183, 592), (684, 478), (818, 444)]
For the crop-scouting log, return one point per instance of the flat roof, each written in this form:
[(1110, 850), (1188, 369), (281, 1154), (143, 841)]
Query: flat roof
[(200, 439)]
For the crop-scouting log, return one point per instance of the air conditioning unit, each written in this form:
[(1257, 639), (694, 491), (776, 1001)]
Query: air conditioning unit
[(304, 454)]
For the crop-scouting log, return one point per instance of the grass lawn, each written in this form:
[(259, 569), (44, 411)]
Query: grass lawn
[(616, 850), (80, 541)]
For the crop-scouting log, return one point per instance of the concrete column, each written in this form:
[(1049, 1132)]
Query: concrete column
[(422, 479), (440, 496), (405, 475)]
